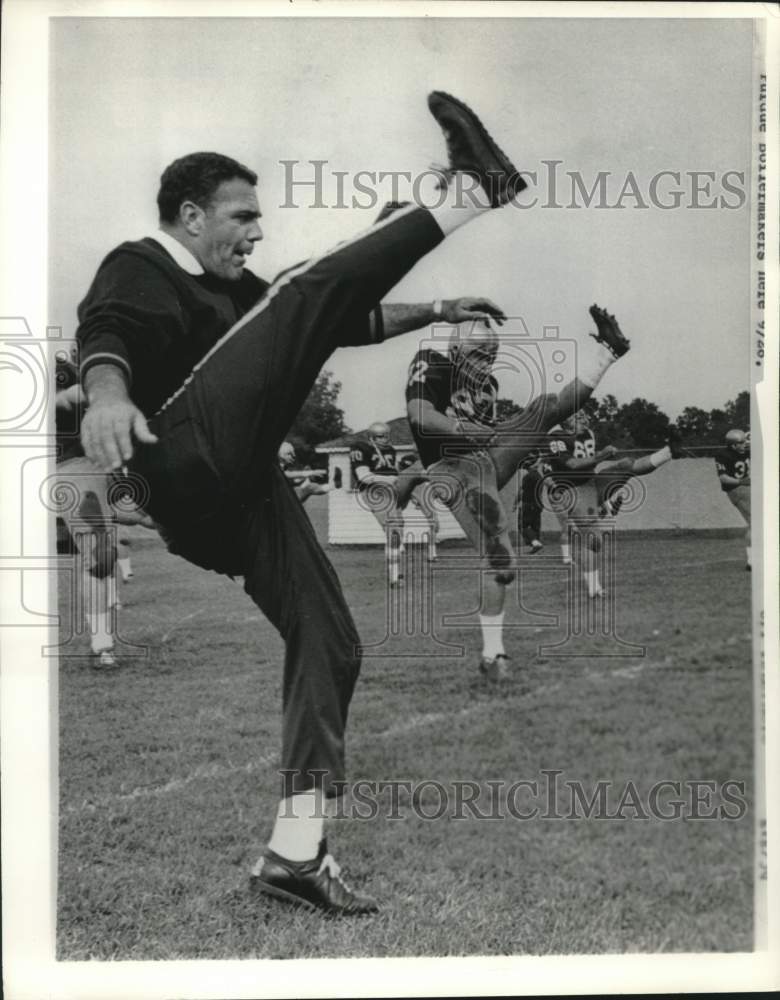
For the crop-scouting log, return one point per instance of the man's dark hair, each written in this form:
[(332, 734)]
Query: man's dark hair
[(195, 178)]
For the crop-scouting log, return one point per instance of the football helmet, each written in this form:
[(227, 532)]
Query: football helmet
[(576, 423), (738, 441), (286, 455), (379, 433), (474, 346)]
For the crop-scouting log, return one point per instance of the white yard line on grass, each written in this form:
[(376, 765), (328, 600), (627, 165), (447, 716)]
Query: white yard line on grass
[(409, 725), (205, 772), (179, 623)]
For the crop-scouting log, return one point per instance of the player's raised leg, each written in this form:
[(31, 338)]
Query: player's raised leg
[(375, 470), (517, 437), (467, 485)]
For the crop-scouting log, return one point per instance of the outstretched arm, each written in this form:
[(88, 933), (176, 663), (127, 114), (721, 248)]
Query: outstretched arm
[(729, 482), (400, 318), (310, 489), (112, 419)]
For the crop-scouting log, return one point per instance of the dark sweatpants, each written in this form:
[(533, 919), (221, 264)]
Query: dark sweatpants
[(223, 503), (530, 513)]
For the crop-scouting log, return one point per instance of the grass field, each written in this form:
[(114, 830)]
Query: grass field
[(168, 783)]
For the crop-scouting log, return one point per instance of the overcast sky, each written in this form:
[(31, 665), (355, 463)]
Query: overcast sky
[(623, 96)]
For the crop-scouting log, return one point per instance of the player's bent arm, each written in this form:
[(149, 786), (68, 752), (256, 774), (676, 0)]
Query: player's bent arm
[(306, 473), (399, 318), (428, 421), (425, 418), (729, 482), (112, 419), (365, 477)]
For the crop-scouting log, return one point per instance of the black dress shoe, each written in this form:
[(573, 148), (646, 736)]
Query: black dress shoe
[(315, 884)]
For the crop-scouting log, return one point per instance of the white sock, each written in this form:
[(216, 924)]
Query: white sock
[(125, 568), (566, 552), (300, 820), (112, 596), (749, 553), (393, 563), (592, 582), (100, 637), (456, 206), (594, 363), (660, 457), (492, 635)]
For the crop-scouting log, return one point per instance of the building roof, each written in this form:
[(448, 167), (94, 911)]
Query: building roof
[(400, 436)]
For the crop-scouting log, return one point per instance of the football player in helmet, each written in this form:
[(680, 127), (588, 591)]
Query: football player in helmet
[(733, 465), (578, 432), (303, 480), (375, 471), (87, 527), (586, 483), (529, 504), (468, 456)]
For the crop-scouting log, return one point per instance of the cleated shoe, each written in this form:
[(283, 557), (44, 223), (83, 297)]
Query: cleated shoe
[(609, 333), (495, 670), (536, 546), (315, 884), (471, 150)]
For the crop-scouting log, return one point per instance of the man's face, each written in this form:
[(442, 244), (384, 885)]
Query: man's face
[(478, 352), (230, 230), (579, 423), (741, 447)]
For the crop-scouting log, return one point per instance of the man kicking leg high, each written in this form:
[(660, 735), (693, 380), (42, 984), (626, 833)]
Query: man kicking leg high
[(469, 457), (195, 370)]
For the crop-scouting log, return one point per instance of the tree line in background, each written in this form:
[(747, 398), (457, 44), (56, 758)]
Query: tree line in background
[(641, 424), (635, 425)]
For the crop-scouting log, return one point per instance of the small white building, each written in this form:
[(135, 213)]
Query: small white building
[(349, 521)]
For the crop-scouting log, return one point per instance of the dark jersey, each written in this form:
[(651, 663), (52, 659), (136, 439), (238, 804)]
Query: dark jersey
[(433, 377), (379, 459), (731, 463), (151, 318), (563, 446)]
